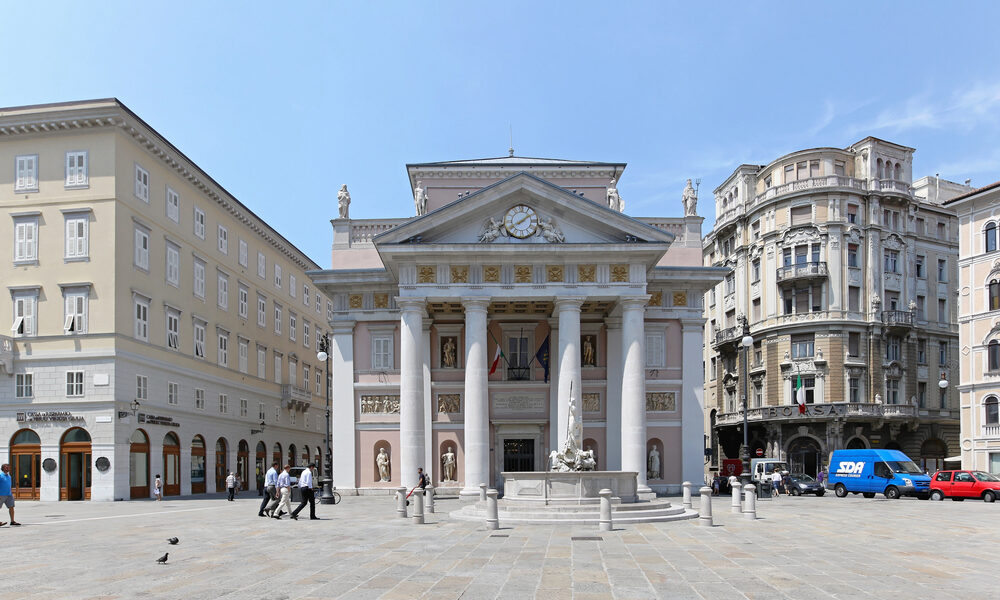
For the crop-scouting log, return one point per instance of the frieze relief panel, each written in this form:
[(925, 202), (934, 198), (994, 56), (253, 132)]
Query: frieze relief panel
[(554, 273), (660, 401), (459, 274), (619, 273), (355, 301), (381, 300), (656, 298), (522, 274), (592, 402), (426, 274), (586, 273), (491, 274), (680, 299), (380, 405), (449, 403)]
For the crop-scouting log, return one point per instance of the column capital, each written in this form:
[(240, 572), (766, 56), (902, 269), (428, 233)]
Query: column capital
[(411, 304), (342, 327), (475, 302), (687, 324), (634, 302), (569, 303), (613, 322)]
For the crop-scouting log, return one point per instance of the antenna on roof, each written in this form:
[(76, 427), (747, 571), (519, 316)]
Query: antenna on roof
[(510, 151)]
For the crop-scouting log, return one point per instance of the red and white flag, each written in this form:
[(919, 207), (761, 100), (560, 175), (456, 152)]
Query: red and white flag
[(496, 360)]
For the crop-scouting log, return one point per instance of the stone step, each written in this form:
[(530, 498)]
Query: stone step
[(579, 518)]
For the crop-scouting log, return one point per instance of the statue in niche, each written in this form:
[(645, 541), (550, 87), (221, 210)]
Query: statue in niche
[(690, 200), (419, 199), (344, 202), (615, 201), (449, 356), (593, 453), (589, 356), (448, 465), (549, 232), (654, 464), (492, 229), (384, 465)]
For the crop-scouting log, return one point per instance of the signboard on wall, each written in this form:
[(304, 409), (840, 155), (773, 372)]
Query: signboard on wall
[(52, 415), (732, 466), (509, 403)]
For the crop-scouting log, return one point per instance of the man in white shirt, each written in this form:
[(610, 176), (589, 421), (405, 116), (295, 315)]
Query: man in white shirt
[(231, 485), (306, 487), (270, 489), (775, 484), (284, 494)]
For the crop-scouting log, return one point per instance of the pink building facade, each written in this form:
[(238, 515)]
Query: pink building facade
[(533, 266)]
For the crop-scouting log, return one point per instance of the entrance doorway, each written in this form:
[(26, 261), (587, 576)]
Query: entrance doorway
[(138, 465), (26, 465), (804, 456), (259, 468), (519, 454), (198, 465), (171, 465), (221, 464), (75, 465), (243, 464)]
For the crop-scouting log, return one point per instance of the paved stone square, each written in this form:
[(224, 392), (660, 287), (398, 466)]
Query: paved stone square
[(800, 548)]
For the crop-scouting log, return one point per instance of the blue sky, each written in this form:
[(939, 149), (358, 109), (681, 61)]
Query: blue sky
[(283, 105)]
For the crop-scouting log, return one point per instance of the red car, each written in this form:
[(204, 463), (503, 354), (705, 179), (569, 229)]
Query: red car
[(959, 485)]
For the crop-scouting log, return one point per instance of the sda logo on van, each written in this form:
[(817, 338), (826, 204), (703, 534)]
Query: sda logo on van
[(851, 467)]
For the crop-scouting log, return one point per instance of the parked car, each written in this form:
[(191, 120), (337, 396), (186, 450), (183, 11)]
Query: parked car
[(803, 483), (871, 472), (959, 485)]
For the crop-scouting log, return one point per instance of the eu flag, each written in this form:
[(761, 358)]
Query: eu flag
[(542, 356)]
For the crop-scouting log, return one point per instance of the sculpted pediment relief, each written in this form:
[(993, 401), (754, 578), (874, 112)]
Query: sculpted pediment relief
[(801, 235)]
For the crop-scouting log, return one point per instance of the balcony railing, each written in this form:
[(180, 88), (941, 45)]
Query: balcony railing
[(518, 373), (897, 318), (991, 431), (295, 397), (729, 334), (891, 185), (824, 410), (807, 270), (827, 181), (363, 230), (7, 354)]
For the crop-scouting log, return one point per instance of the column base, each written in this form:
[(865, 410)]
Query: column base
[(644, 492), (469, 495)]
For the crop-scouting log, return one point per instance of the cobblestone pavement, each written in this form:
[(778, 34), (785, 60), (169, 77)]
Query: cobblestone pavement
[(800, 548)]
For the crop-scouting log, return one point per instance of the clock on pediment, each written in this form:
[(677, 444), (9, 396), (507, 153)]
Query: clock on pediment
[(521, 221)]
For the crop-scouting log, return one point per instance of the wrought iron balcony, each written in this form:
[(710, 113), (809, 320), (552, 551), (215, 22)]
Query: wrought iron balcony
[(518, 373), (809, 270), (295, 397), (727, 335), (821, 411), (897, 318)]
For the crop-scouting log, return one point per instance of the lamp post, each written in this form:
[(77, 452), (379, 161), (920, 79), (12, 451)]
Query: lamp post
[(746, 342), (324, 356), (943, 384), (256, 431)]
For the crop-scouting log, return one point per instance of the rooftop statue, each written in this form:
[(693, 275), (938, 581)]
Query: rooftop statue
[(690, 200), (344, 202)]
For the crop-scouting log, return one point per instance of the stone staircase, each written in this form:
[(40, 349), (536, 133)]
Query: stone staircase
[(652, 511)]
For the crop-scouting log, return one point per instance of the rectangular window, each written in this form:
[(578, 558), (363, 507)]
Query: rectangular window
[(800, 171), (921, 352), (261, 414), (921, 226), (730, 283), (854, 344), (654, 351), (942, 269), (173, 329), (755, 230), (141, 320), (802, 345), (892, 348), (74, 384), (23, 385), (921, 307), (25, 309), (305, 333), (756, 309), (199, 399), (142, 249), (242, 302), (223, 292), (25, 239), (942, 231), (277, 318), (277, 276), (173, 206), (243, 253), (261, 362), (141, 387), (942, 310), (813, 168), (801, 215), (199, 339), (755, 272), (319, 382), (173, 265), (712, 372), (291, 417), (922, 394), (142, 184), (305, 377), (892, 391), (261, 265), (291, 285), (382, 352), (852, 255), (26, 173), (223, 404), (838, 167), (223, 356), (75, 317), (292, 325), (199, 278), (319, 304), (261, 311), (199, 222), (173, 392), (852, 213), (77, 238), (854, 392), (243, 407), (244, 348), (891, 261), (277, 368), (305, 296), (921, 273), (943, 354), (223, 240)]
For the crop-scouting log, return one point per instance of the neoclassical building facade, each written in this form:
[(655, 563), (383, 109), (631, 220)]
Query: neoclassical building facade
[(843, 269), (461, 333)]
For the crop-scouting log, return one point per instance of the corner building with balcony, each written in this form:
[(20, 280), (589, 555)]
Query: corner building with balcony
[(534, 257), (153, 321), (844, 272)]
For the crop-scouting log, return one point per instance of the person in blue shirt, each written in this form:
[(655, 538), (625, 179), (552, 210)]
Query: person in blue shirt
[(270, 483), (6, 498)]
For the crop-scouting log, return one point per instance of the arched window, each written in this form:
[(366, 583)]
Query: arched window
[(994, 294), (992, 411), (991, 236), (993, 356), (881, 170), (898, 175)]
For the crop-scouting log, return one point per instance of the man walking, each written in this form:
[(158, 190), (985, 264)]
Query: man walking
[(6, 497), (231, 485), (270, 485), (775, 484), (308, 495), (421, 478), (284, 495)]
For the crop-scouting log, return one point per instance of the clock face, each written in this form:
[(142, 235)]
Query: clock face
[(521, 221)]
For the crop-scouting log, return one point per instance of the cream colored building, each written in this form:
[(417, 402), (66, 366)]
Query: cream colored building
[(844, 269), (979, 326), (154, 320)]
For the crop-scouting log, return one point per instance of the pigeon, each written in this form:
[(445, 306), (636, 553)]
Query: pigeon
[(163, 559), (173, 541)]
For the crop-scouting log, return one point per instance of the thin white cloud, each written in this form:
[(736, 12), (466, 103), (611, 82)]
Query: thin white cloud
[(988, 164), (964, 109), (829, 112)]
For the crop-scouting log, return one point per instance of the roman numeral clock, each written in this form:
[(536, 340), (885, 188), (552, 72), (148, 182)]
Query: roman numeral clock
[(521, 221)]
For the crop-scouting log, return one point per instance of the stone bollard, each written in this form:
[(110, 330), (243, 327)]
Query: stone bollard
[(737, 507), (482, 492), (492, 513), (750, 506), (401, 502), (429, 499), (418, 506), (605, 523), (705, 515), (687, 494)]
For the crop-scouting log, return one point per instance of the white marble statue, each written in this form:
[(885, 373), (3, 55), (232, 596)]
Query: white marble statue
[(615, 201), (344, 202), (549, 231), (384, 465), (654, 464), (570, 457), (492, 229), (419, 199), (448, 465), (690, 200)]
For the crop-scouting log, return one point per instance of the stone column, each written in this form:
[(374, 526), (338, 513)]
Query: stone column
[(613, 396), (342, 405), (553, 439), (477, 408), (570, 375), (411, 390), (634, 389), (430, 407), (691, 401)]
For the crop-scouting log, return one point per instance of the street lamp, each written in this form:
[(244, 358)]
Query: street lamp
[(324, 357), (746, 342), (256, 431)]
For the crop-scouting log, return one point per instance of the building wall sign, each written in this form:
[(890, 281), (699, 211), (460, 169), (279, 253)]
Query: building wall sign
[(53, 415), (511, 403), (155, 420)]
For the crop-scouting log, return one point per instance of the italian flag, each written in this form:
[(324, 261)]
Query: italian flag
[(800, 395), (496, 360)]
